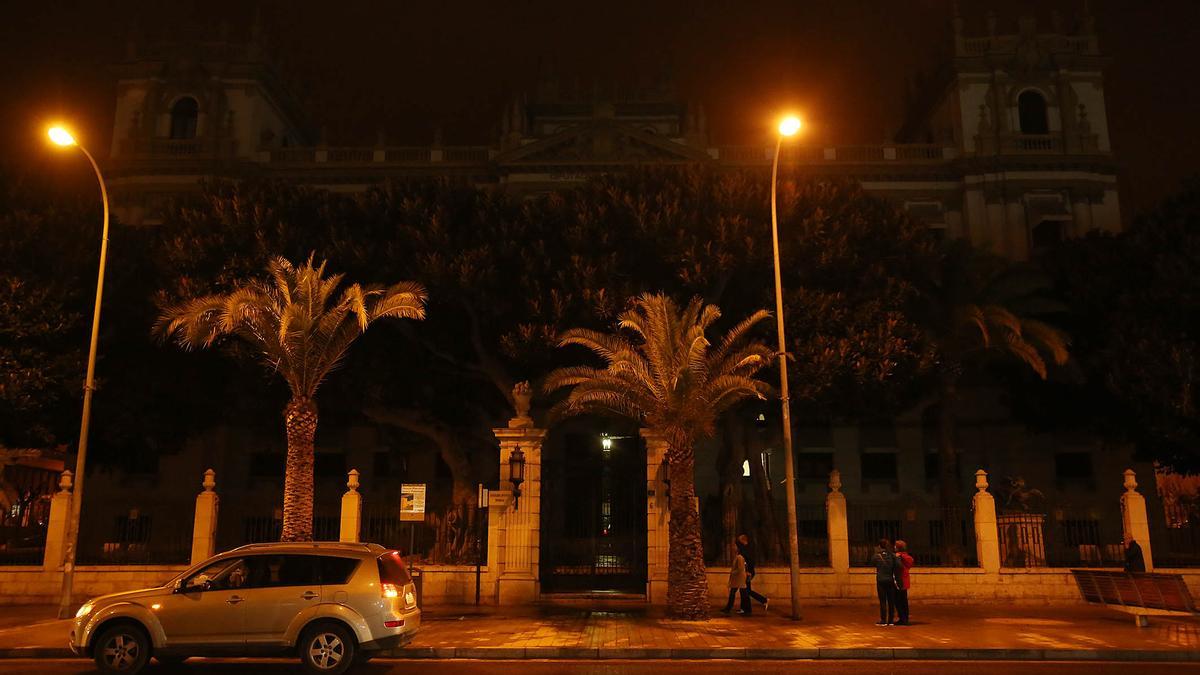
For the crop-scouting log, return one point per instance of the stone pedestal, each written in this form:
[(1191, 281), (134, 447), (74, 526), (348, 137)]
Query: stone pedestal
[(987, 539), (351, 521), (658, 518), (56, 528), (514, 524), (1135, 524), (839, 534), (204, 525)]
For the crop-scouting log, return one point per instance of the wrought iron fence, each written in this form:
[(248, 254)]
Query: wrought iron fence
[(1179, 542), (239, 527), (935, 536), (135, 539), (1066, 537), (444, 536), (23, 532)]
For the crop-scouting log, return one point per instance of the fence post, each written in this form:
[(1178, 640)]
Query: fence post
[(351, 525), (56, 529), (204, 527), (1135, 524), (835, 514), (987, 534)]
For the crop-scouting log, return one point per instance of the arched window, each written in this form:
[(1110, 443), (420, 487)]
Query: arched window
[(183, 118), (1031, 111)]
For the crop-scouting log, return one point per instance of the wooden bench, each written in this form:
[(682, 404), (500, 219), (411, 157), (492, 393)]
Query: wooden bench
[(1138, 593)]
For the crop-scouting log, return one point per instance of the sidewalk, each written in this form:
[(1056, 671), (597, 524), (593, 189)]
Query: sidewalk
[(828, 631)]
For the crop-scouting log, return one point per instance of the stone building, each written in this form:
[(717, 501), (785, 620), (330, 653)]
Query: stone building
[(1008, 146)]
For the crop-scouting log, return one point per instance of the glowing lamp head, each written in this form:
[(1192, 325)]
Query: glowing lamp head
[(61, 136), (789, 125)]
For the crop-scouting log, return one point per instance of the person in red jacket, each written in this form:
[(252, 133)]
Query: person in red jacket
[(904, 563)]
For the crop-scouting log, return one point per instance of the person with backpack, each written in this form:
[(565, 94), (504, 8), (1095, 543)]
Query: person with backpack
[(884, 562)]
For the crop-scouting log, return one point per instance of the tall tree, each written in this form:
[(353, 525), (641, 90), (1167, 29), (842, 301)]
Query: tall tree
[(301, 329), (976, 308), (663, 372)]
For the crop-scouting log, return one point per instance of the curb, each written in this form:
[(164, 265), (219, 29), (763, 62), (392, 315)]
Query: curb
[(729, 653)]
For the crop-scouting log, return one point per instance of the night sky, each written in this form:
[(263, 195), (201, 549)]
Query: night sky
[(405, 67)]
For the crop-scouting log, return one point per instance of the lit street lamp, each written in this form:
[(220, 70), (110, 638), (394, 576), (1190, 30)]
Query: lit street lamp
[(61, 136), (788, 127)]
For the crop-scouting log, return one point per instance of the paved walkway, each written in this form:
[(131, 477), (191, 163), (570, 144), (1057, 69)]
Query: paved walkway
[(841, 630)]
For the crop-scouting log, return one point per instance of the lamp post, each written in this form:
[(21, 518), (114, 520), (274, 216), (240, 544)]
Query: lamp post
[(787, 127), (61, 136)]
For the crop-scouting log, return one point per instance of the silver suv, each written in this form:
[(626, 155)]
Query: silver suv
[(334, 604)]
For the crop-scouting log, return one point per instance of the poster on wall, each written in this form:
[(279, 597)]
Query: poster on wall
[(412, 501)]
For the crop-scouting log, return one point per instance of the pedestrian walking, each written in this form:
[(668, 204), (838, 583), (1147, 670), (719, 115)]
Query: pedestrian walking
[(1134, 560), (904, 563), (884, 562), (743, 547), (737, 584)]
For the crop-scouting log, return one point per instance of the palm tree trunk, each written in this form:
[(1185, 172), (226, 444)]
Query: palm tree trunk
[(729, 467), (300, 420), (949, 490), (687, 583)]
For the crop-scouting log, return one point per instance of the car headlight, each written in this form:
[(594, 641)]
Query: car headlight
[(83, 611)]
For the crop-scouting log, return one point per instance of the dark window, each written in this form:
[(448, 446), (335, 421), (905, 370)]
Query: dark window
[(392, 569), (329, 464), (183, 118), (270, 571), (878, 434), (336, 571), (1031, 109), (221, 575), (1073, 466), (266, 465), (879, 466), (814, 465), (1046, 236)]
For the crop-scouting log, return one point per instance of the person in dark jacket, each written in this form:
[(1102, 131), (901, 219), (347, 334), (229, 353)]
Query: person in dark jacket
[(884, 562), (743, 547), (1134, 560)]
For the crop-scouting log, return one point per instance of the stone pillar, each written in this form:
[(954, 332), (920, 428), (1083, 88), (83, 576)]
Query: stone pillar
[(1135, 524), (351, 525), (987, 535), (1081, 209), (658, 518), (519, 525), (204, 526), (835, 514), (56, 529), (1016, 231)]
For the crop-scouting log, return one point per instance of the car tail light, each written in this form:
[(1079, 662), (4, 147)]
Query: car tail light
[(389, 590)]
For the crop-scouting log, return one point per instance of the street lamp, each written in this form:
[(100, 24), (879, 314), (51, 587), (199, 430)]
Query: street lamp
[(60, 136), (788, 127)]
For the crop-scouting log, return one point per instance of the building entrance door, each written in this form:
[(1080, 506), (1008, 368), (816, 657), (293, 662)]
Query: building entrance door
[(593, 535)]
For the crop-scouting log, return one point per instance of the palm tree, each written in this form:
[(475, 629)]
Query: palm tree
[(301, 332), (661, 370), (978, 307)]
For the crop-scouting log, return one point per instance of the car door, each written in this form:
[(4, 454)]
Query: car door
[(207, 609), (280, 586)]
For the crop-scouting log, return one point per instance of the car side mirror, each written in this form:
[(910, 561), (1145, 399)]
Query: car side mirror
[(177, 586)]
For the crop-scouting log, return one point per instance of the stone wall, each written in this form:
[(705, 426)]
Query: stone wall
[(951, 585), (32, 585)]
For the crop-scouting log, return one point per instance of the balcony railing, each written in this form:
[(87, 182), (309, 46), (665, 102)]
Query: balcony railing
[(811, 154)]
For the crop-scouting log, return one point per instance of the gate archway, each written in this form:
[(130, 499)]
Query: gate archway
[(593, 517)]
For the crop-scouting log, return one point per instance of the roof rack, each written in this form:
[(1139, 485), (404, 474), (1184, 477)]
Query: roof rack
[(356, 545)]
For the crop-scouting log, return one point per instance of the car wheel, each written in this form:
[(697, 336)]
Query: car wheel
[(124, 648), (327, 649)]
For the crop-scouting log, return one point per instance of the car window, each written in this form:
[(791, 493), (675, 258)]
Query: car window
[(273, 571), (336, 571), (221, 575)]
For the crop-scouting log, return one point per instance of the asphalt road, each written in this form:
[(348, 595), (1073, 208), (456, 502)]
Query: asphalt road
[(462, 667)]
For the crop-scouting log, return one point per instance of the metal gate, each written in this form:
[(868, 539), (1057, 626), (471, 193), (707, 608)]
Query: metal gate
[(594, 514)]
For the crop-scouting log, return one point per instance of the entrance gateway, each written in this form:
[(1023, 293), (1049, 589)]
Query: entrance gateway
[(594, 506)]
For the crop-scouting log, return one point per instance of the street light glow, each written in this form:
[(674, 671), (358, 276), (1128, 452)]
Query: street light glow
[(789, 125), (61, 136)]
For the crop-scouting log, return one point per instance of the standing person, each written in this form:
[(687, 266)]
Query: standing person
[(904, 563), (1134, 560), (884, 562), (737, 584), (743, 547)]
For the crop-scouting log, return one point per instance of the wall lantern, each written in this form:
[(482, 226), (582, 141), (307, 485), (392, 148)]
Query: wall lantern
[(516, 473), (666, 479)]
